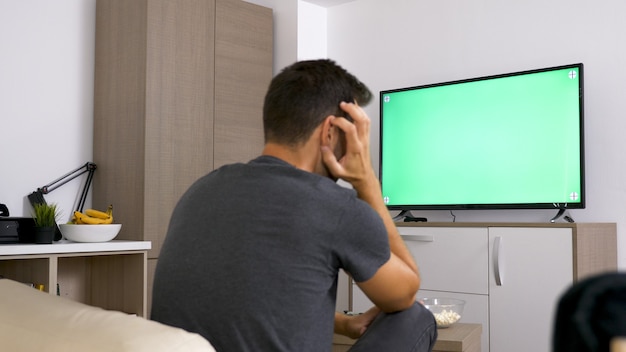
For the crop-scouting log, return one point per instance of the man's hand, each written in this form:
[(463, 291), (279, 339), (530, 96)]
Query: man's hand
[(355, 166), (355, 326)]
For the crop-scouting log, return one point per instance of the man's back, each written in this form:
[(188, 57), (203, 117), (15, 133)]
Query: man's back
[(251, 257)]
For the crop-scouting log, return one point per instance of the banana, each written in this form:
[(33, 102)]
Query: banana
[(93, 216), (108, 220), (74, 220), (81, 218), (86, 219), (77, 218), (97, 214)]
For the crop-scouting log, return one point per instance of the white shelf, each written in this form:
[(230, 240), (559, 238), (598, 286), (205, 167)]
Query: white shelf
[(65, 246)]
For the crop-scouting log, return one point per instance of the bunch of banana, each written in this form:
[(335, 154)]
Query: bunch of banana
[(93, 217)]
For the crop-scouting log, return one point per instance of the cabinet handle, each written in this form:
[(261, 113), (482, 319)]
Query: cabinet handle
[(418, 238), (497, 266)]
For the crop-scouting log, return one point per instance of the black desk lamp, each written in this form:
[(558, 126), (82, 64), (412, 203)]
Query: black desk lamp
[(37, 196)]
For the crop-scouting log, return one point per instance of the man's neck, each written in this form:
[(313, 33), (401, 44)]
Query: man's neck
[(304, 157)]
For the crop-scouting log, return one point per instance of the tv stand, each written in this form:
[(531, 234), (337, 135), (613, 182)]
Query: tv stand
[(458, 260), (558, 215), (561, 213), (406, 216)]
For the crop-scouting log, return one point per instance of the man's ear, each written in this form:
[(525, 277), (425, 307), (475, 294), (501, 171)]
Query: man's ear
[(327, 130)]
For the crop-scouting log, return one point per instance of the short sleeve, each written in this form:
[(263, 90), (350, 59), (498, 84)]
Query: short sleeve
[(363, 243)]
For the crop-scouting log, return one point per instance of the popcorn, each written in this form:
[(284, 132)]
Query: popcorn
[(446, 318)]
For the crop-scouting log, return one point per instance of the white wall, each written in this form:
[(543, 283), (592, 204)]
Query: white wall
[(405, 43), (46, 98), (299, 31), (312, 31)]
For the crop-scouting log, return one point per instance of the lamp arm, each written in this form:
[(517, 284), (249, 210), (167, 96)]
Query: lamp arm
[(88, 167), (91, 167), (37, 196)]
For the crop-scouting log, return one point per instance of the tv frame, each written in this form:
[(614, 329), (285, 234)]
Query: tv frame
[(406, 208)]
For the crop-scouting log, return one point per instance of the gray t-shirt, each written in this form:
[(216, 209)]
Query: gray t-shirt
[(252, 254)]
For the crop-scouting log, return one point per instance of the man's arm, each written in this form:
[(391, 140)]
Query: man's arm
[(396, 282), (394, 286), (372, 194)]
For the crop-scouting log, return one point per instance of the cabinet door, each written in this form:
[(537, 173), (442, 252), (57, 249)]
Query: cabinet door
[(450, 259), (243, 71), (529, 269)]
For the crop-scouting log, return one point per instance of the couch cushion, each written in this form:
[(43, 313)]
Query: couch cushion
[(31, 320)]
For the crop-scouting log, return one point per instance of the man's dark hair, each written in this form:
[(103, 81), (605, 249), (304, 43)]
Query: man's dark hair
[(303, 94)]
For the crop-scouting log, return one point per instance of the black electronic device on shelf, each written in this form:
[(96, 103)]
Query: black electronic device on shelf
[(17, 230)]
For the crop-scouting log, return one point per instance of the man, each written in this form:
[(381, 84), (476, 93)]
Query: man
[(253, 250)]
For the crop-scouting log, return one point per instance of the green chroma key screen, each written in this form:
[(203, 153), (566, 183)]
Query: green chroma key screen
[(502, 141)]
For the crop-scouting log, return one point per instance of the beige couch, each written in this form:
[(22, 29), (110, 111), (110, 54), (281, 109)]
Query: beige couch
[(31, 320)]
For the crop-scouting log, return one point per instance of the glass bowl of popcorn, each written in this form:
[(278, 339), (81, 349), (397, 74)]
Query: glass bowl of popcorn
[(447, 311)]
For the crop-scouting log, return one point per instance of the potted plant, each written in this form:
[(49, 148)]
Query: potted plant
[(45, 216)]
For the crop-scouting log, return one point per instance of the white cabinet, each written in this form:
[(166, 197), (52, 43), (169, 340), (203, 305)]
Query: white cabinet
[(510, 275)]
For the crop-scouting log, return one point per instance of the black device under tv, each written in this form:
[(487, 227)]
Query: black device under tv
[(507, 141)]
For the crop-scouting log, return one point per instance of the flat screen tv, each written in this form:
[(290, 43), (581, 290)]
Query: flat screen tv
[(508, 141)]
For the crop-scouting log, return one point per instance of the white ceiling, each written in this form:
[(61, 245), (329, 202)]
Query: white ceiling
[(328, 3)]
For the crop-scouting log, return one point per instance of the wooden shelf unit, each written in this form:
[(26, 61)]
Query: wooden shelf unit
[(111, 275)]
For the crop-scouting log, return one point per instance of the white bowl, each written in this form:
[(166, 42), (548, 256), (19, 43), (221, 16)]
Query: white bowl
[(447, 311), (90, 233)]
